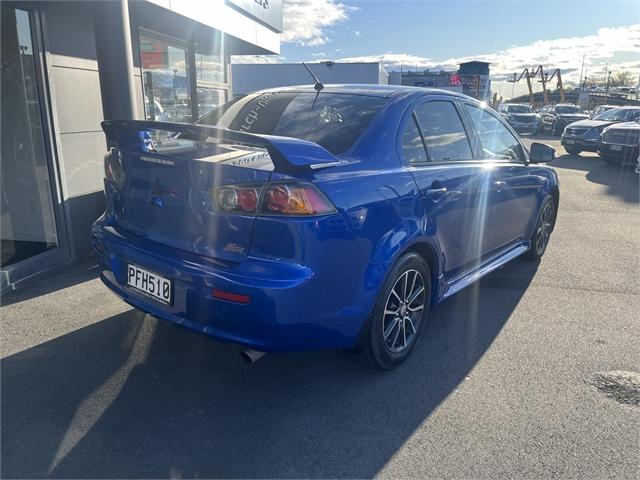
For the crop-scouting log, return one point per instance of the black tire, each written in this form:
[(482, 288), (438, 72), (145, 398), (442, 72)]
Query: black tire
[(611, 161), (573, 150), (384, 349), (541, 233)]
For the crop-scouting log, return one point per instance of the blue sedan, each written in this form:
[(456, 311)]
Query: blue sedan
[(336, 217)]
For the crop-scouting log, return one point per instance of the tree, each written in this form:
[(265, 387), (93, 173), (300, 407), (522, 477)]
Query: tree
[(621, 78)]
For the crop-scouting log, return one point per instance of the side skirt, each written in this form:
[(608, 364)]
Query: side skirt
[(488, 266)]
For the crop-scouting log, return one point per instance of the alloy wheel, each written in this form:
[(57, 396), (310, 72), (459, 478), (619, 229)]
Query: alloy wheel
[(403, 311), (543, 232)]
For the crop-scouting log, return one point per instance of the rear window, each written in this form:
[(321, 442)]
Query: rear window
[(334, 121), (567, 109)]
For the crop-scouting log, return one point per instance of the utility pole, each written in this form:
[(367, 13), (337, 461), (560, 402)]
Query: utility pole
[(606, 89)]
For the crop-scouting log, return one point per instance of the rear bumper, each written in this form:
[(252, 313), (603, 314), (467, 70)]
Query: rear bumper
[(291, 306)]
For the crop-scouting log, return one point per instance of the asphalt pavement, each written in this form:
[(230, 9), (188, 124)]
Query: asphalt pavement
[(502, 384)]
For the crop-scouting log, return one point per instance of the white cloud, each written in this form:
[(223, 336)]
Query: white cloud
[(612, 46), (306, 21)]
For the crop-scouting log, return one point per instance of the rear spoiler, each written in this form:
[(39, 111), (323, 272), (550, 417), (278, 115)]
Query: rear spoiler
[(288, 154)]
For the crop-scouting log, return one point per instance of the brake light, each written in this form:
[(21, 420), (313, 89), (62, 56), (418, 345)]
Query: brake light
[(113, 169), (282, 198)]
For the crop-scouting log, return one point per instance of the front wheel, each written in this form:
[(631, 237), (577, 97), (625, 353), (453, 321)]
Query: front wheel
[(399, 314), (542, 231), (573, 150)]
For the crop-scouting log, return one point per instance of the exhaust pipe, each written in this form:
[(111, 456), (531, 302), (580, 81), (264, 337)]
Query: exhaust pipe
[(251, 356)]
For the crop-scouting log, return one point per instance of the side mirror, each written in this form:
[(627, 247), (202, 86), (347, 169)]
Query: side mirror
[(541, 153)]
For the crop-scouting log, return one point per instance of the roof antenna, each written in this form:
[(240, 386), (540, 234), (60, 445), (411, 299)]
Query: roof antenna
[(318, 86)]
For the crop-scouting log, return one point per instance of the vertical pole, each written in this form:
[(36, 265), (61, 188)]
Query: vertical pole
[(115, 59)]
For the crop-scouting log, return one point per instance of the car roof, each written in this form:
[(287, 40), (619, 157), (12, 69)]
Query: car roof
[(365, 89)]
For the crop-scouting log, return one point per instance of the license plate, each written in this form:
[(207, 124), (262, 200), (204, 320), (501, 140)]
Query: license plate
[(616, 148), (568, 141), (150, 284)]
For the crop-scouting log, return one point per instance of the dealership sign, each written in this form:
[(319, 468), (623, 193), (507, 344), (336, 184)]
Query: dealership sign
[(268, 12)]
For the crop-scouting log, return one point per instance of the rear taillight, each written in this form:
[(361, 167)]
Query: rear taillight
[(286, 198), (113, 169)]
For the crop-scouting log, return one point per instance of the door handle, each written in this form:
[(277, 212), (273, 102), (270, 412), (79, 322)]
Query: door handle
[(436, 191)]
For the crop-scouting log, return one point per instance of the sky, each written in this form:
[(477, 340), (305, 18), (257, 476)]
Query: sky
[(510, 34)]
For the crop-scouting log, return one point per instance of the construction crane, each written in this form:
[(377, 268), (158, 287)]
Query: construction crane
[(525, 73), (545, 78)]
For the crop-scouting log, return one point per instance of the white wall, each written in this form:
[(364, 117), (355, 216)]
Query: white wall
[(216, 14), (248, 78)]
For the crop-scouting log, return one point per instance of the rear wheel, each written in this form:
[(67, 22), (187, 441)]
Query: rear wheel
[(573, 150), (542, 231), (399, 314)]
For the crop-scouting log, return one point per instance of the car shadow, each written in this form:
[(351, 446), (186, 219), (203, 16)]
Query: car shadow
[(134, 397), (621, 181)]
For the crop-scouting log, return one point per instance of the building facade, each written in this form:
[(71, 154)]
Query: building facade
[(257, 76), (472, 78), (66, 66), (445, 80)]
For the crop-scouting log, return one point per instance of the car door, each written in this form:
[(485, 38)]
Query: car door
[(512, 193), (438, 153)]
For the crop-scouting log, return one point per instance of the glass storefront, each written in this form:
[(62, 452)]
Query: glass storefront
[(181, 82), (166, 79), (28, 225)]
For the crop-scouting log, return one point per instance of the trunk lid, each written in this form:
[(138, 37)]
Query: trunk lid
[(170, 171)]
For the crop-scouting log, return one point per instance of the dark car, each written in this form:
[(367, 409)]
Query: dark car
[(553, 118), (619, 143), (584, 135), (520, 116), (295, 219)]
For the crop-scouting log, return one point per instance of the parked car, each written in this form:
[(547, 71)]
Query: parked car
[(520, 116), (584, 135), (553, 118), (295, 219), (602, 108), (620, 143)]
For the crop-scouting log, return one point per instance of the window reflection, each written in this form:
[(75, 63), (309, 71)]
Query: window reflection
[(497, 142), (444, 134), (166, 78), (412, 147)]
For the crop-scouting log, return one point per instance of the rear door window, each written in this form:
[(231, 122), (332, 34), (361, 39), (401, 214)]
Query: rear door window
[(334, 121), (443, 132), (412, 146)]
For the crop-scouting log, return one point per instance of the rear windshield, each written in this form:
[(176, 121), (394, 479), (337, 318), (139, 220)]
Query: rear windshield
[(334, 121), (519, 109), (567, 109)]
